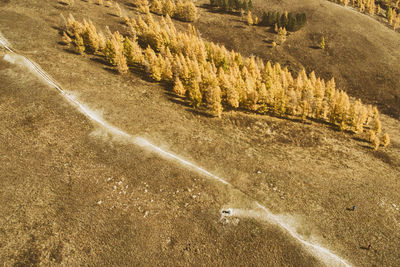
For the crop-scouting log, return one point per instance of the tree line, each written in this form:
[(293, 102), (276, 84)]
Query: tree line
[(182, 10), (212, 78), (232, 5), (291, 21), (385, 8)]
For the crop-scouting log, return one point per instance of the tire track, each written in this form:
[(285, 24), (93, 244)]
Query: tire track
[(324, 254)]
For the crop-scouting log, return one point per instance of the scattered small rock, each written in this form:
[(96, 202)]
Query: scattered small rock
[(99, 202)]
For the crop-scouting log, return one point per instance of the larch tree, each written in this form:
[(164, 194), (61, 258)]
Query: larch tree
[(322, 43), (169, 8), (90, 38), (179, 89), (78, 44), (385, 140), (66, 39), (377, 125), (156, 7), (249, 18), (132, 52), (389, 15), (376, 143), (193, 93)]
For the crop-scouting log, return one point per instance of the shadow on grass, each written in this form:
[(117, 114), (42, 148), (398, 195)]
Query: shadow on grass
[(62, 3), (59, 29), (111, 70), (112, 14), (71, 51), (131, 5), (101, 60), (269, 41)]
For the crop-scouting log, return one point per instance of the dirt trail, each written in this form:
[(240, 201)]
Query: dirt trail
[(320, 252)]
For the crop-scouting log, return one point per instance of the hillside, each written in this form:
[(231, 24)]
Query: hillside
[(76, 194)]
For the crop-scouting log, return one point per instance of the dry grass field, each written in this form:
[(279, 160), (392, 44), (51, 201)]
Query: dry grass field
[(71, 195)]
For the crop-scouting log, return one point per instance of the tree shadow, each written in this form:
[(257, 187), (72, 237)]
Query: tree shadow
[(314, 47), (131, 5), (177, 100), (62, 3), (71, 51), (236, 20), (359, 139), (269, 41), (199, 112), (111, 70), (59, 29), (112, 14), (100, 60)]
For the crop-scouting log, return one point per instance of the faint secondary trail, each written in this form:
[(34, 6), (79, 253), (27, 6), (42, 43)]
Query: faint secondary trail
[(320, 252)]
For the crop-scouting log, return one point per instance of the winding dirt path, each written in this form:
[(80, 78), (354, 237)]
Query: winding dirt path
[(257, 211)]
